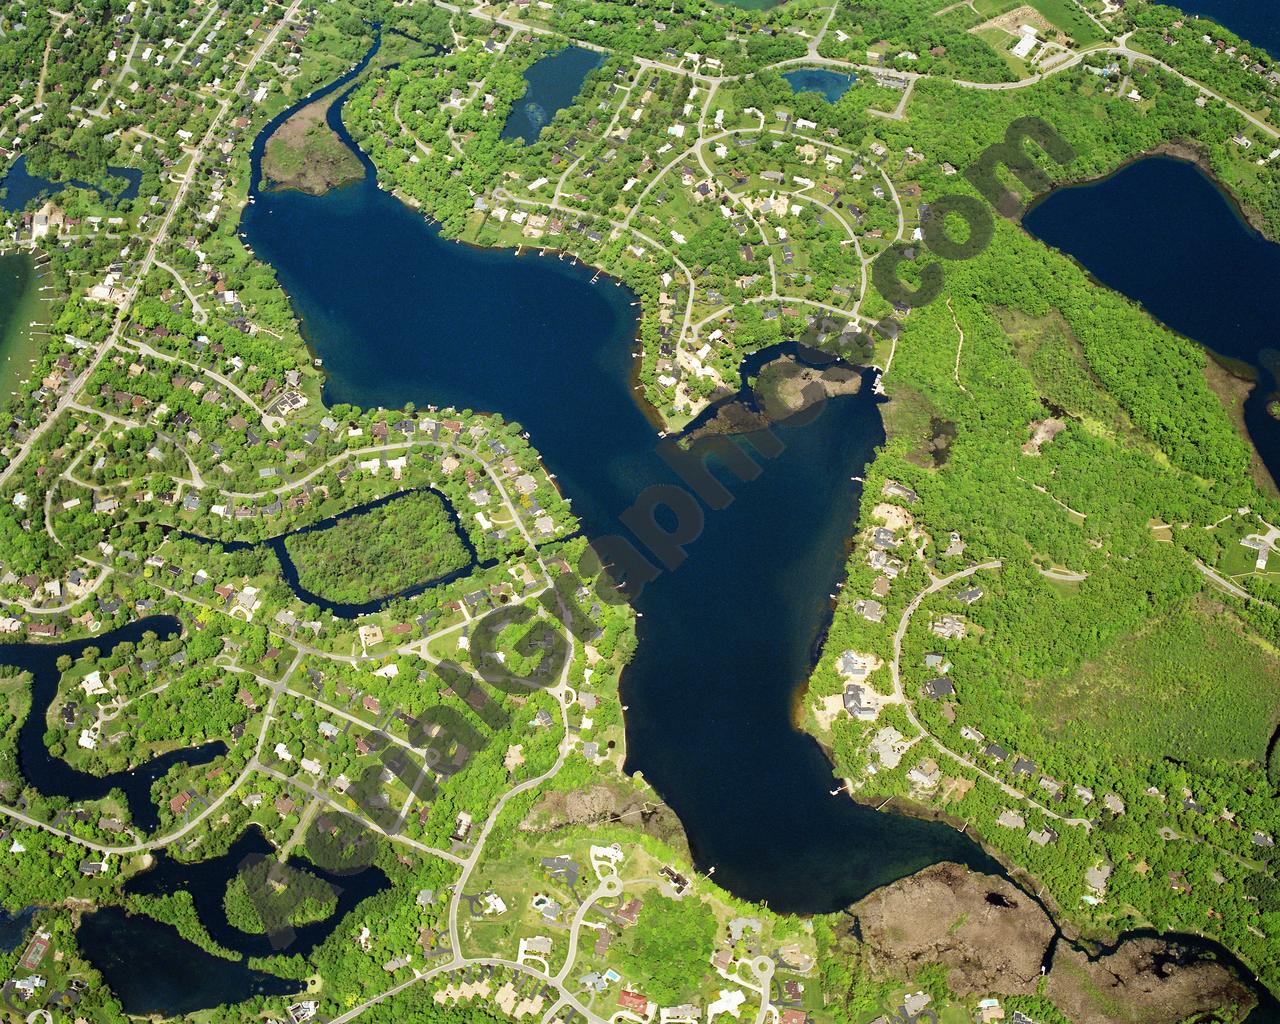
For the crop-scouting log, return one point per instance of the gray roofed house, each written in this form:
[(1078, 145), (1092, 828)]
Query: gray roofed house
[(872, 611), (1096, 878), (939, 688), (739, 926), (562, 867), (857, 705), (996, 751), (882, 537), (949, 628), (538, 944), (970, 595), (850, 663), (1021, 766), (896, 490)]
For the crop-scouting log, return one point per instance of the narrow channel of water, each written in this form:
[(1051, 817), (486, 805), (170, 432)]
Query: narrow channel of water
[(207, 881), (20, 186), (348, 610), (53, 776)]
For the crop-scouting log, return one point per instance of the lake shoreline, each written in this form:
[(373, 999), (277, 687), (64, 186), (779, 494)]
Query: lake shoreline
[(1259, 431), (1234, 382), (20, 343), (1175, 149)]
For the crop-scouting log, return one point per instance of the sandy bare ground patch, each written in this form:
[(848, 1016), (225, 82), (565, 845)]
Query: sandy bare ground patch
[(1010, 20), (895, 517)]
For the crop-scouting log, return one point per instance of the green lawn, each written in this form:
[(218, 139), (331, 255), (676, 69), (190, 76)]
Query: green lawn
[(1068, 16), (992, 8)]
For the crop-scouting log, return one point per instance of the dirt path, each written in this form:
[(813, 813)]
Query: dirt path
[(58, 21)]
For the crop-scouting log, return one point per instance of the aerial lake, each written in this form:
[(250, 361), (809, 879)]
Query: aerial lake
[(551, 85), (1258, 21), (728, 639), (20, 186), (152, 969), (1163, 233), (831, 84), (207, 882)]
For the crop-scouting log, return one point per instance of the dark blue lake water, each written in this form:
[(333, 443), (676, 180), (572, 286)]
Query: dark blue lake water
[(207, 882), (151, 968), (1258, 21), (1163, 233), (726, 640), (20, 186), (831, 84), (51, 775), (553, 82), (13, 927)]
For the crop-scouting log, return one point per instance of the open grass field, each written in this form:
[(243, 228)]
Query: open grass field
[(1053, 355), (1068, 16), (1191, 685)]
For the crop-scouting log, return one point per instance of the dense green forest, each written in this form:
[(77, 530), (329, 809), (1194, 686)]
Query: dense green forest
[(268, 897), (382, 551)]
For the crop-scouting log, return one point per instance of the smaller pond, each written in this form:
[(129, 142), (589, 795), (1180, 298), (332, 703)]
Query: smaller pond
[(13, 928), (207, 881), (152, 969), (20, 186), (51, 775), (1163, 233), (831, 84), (552, 84)]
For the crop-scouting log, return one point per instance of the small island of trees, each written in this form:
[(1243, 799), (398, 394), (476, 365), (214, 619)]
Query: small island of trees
[(382, 551)]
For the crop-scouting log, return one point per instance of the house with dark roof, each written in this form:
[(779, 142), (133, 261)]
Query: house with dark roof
[(940, 687)]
